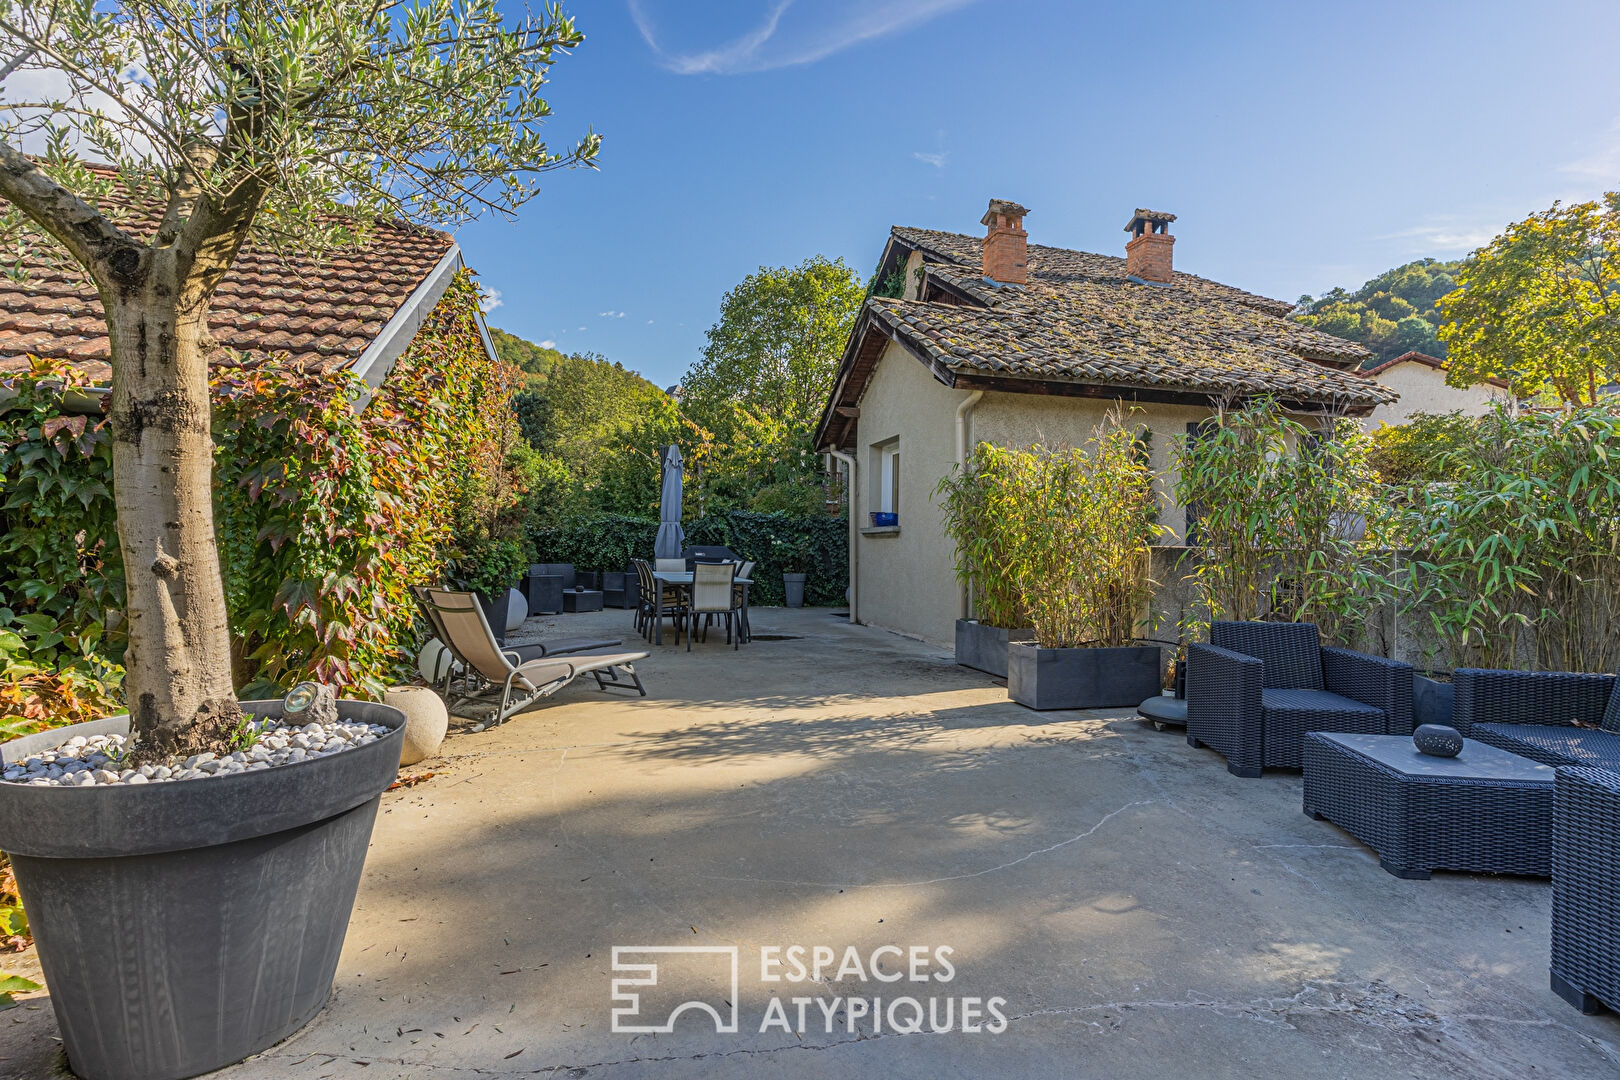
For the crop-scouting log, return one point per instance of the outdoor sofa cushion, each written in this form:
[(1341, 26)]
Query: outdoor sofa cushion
[(1291, 713), (1553, 744)]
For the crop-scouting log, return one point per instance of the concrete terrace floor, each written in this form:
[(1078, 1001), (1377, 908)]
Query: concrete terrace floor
[(1142, 912)]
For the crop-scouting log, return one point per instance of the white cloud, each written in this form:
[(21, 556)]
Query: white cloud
[(582, 328), (548, 344), (1448, 235), (491, 298), (611, 314), (783, 40), (936, 160), (1601, 165)]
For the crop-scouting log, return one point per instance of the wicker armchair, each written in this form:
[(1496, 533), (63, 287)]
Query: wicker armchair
[(1538, 714), (1256, 688), (1586, 888)]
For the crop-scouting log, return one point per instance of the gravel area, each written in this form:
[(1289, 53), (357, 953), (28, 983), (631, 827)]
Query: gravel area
[(81, 761)]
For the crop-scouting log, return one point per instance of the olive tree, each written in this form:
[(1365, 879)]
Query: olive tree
[(295, 122)]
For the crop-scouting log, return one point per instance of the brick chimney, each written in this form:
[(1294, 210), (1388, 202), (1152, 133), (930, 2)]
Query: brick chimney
[(1006, 242), (1147, 252)]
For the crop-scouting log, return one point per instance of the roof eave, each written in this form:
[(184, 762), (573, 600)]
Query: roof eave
[(374, 365)]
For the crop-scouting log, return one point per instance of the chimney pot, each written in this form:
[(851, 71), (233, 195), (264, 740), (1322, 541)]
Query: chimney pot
[(1148, 252), (1006, 244)]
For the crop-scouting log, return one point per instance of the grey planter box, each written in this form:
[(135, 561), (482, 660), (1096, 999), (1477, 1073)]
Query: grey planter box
[(793, 587), (1082, 678), (1432, 701), (984, 648), (184, 926)]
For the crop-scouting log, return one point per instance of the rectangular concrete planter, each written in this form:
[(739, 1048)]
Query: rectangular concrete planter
[(984, 648), (1082, 678), (1432, 701)]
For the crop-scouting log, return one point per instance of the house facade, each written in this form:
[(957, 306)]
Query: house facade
[(993, 339), (1420, 380)]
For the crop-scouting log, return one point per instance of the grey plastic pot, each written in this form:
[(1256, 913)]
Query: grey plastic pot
[(793, 588), (1044, 678), (984, 647), (183, 926)]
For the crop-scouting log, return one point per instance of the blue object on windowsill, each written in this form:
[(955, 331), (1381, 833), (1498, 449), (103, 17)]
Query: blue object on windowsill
[(882, 518)]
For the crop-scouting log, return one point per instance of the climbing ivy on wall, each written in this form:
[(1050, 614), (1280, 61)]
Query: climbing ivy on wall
[(324, 517)]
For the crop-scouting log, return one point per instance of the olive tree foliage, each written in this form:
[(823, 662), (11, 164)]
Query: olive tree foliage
[(1539, 306), (296, 123)]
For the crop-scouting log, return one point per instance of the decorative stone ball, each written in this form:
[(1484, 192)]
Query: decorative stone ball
[(434, 660), (517, 609), (1438, 740), (426, 720)]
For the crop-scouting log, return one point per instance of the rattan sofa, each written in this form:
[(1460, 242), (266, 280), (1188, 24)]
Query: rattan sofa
[(1256, 688), (1586, 888), (1540, 714)]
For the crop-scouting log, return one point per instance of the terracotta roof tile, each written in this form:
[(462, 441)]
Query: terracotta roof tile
[(1081, 319), (327, 313)]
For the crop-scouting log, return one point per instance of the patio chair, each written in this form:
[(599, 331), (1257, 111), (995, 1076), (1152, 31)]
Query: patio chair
[(1585, 963), (670, 566), (670, 600), (522, 684), (520, 654), (746, 570), (1552, 717), (714, 592), (1257, 688)]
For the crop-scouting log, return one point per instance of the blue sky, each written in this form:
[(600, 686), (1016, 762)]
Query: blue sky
[(1303, 145)]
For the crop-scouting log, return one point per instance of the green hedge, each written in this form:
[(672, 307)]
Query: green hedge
[(608, 542)]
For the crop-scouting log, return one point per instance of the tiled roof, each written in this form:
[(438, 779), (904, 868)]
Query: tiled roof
[(1081, 319), (319, 315)]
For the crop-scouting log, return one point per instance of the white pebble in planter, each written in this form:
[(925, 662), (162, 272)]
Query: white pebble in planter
[(426, 720)]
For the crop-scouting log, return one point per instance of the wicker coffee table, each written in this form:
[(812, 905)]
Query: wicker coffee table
[(1485, 811), (575, 600)]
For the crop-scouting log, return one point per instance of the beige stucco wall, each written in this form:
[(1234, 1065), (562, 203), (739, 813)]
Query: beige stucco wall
[(1423, 389), (905, 581)]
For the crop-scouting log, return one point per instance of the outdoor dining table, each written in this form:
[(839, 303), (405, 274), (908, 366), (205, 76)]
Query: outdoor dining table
[(682, 579)]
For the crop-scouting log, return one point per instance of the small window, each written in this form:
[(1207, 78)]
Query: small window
[(886, 477)]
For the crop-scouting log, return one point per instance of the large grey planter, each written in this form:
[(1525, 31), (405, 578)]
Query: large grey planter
[(1082, 678), (984, 648), (1432, 701), (793, 587), (184, 926)]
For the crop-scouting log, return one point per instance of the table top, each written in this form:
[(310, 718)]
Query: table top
[(684, 577), (1478, 761)]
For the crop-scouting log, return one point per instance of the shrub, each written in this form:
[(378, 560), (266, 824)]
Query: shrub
[(608, 542), (1523, 539), (1422, 449), (1079, 533), (324, 517), (976, 502), (1285, 524)]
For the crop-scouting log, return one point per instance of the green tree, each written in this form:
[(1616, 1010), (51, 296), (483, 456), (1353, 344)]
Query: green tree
[(1538, 306), (533, 360), (1394, 313), (776, 347), (220, 118)]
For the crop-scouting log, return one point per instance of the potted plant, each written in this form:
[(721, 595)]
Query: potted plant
[(975, 504), (794, 556), (184, 923), (491, 568), (1083, 527)]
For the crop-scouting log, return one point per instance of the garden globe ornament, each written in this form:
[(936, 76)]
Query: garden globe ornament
[(517, 609)]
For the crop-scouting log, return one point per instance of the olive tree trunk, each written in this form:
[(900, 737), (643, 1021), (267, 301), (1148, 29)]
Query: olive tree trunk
[(178, 663)]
